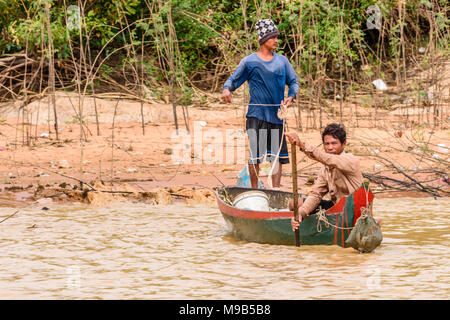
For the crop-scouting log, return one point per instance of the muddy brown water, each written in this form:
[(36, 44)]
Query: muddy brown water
[(135, 251)]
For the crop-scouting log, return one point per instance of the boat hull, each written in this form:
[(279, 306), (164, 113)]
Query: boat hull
[(274, 227)]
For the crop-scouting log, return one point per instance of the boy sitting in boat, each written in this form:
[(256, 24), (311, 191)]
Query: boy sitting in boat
[(339, 176)]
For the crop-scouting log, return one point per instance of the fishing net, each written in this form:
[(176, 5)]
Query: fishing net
[(366, 234)]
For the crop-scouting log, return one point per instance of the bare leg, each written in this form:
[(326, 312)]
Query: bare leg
[(276, 176), (254, 172)]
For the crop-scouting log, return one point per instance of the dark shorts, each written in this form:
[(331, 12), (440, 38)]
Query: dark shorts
[(264, 139)]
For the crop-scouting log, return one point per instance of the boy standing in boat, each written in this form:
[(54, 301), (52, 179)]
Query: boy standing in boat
[(339, 176), (267, 74)]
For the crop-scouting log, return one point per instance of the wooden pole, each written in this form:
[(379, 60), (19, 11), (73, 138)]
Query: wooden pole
[(295, 191), (171, 57), (51, 66)]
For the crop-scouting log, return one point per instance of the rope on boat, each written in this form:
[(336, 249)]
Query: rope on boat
[(321, 215), (226, 197)]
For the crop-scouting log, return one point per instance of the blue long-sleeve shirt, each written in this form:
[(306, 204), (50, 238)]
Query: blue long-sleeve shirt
[(266, 81)]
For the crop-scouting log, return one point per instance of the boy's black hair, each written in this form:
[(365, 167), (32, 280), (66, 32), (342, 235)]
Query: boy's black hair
[(335, 130)]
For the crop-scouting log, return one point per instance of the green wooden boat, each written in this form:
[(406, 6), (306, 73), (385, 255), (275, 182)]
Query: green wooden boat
[(274, 226)]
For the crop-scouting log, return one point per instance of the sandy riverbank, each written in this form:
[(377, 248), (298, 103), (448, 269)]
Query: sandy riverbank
[(151, 167)]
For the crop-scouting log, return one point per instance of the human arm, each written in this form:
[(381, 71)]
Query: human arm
[(344, 162), (319, 189), (239, 76), (292, 83)]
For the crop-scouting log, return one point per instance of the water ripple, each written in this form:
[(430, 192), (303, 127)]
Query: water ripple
[(134, 251)]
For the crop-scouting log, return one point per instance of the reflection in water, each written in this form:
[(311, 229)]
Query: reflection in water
[(131, 250)]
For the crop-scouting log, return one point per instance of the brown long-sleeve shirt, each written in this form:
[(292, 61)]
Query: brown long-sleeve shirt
[(340, 176)]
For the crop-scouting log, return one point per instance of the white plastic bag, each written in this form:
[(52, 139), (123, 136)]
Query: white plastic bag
[(379, 84)]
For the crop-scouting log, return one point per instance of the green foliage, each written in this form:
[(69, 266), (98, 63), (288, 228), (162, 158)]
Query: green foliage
[(216, 34)]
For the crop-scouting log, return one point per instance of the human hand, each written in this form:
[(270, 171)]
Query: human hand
[(287, 102), (293, 138), (294, 223), (226, 95)]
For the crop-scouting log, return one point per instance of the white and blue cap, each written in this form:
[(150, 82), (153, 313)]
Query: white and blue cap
[(266, 29)]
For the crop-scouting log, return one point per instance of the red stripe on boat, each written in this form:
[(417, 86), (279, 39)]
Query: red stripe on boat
[(346, 221), (359, 198), (336, 230)]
